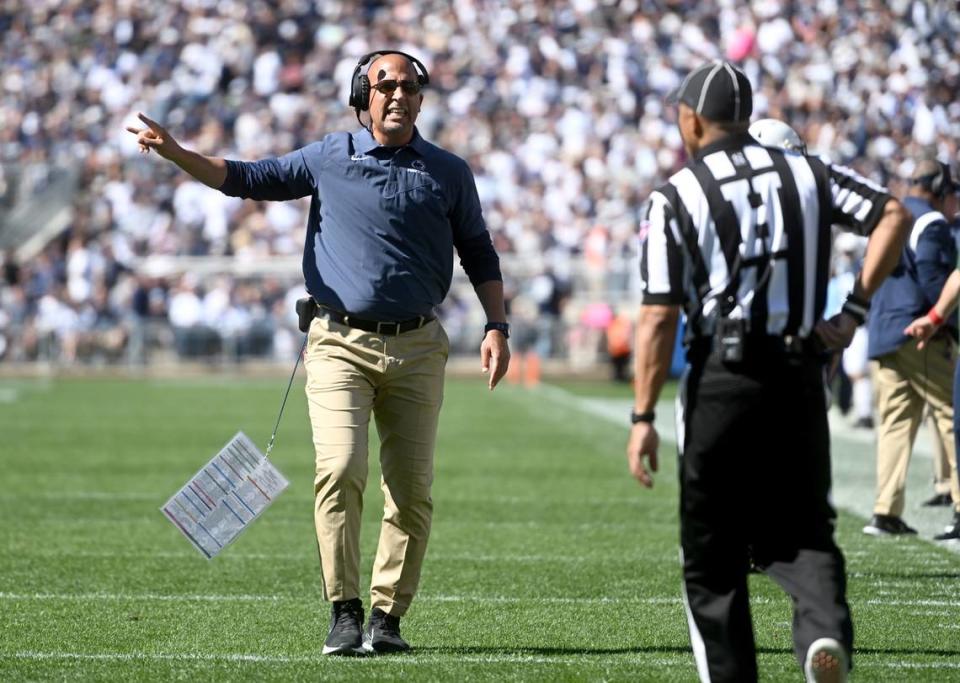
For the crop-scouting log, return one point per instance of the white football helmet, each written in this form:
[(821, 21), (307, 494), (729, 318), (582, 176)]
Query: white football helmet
[(775, 133)]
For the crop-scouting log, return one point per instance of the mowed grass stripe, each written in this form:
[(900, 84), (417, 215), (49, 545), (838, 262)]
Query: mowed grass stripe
[(482, 599), (427, 659)]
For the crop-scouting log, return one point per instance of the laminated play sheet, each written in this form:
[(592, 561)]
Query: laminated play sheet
[(225, 496)]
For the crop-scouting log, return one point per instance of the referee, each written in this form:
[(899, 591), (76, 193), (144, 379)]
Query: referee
[(740, 239)]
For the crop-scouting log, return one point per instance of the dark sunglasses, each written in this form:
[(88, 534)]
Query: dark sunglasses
[(389, 85)]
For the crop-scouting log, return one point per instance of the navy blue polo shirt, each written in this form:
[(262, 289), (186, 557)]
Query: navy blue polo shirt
[(383, 224), (926, 262)]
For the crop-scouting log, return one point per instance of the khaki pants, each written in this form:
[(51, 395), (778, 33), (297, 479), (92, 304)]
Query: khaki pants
[(907, 380), (351, 374), (941, 464)]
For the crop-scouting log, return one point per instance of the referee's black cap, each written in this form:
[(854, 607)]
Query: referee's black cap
[(718, 91)]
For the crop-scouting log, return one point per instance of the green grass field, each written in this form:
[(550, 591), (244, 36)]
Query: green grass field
[(547, 562)]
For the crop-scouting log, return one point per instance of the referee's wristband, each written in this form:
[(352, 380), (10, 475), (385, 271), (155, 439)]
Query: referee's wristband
[(856, 308), (636, 417), (502, 328), (935, 317)]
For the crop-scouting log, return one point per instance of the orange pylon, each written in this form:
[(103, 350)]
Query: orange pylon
[(531, 369), (513, 370)]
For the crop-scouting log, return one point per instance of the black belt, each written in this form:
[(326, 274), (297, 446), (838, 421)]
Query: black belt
[(387, 328), (789, 345), (800, 346)]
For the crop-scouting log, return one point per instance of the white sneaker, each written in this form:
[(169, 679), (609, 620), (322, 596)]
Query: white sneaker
[(826, 662)]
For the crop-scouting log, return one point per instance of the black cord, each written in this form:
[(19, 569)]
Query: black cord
[(285, 395), (360, 121)]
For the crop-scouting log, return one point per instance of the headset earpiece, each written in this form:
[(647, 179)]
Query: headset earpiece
[(360, 83), (938, 183)]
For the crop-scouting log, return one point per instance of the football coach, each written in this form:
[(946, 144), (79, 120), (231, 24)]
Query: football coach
[(740, 240), (387, 210)]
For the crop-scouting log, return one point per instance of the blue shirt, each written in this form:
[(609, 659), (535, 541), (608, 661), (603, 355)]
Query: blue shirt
[(926, 262), (383, 221)]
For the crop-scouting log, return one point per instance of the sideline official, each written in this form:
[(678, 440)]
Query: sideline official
[(387, 210), (740, 240)]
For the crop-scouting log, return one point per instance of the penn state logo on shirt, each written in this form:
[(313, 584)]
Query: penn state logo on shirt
[(418, 165)]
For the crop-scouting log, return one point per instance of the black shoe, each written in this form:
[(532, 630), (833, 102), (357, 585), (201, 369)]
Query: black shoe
[(938, 500), (865, 422), (887, 525), (952, 531), (346, 622), (382, 634)]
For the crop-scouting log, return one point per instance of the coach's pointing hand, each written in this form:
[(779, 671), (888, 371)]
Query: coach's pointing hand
[(644, 441), (156, 137)]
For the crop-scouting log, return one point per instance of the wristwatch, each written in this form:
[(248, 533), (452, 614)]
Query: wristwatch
[(636, 417), (503, 328)]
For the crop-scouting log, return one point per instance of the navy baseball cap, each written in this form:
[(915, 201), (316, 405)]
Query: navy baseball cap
[(718, 91)]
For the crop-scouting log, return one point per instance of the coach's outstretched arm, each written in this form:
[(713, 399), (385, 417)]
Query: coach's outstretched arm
[(883, 252), (211, 171)]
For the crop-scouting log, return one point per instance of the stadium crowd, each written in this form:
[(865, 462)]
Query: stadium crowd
[(558, 107)]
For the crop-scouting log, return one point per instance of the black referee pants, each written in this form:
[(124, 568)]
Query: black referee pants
[(754, 482)]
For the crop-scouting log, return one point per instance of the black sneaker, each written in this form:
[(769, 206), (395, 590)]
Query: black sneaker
[(887, 525), (938, 500), (346, 621), (952, 531), (382, 634)]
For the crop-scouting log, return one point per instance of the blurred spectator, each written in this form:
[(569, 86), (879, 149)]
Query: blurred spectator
[(557, 105)]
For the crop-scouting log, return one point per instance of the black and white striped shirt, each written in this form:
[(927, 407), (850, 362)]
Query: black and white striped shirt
[(757, 214)]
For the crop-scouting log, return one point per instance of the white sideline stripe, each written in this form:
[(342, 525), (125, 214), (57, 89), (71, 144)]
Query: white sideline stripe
[(159, 656), (483, 599), (83, 495), (241, 597), (8, 395), (453, 500), (516, 658)]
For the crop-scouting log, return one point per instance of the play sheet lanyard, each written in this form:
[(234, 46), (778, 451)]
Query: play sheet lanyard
[(234, 488)]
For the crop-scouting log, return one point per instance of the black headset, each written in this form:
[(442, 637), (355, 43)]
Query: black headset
[(360, 84), (939, 183)]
